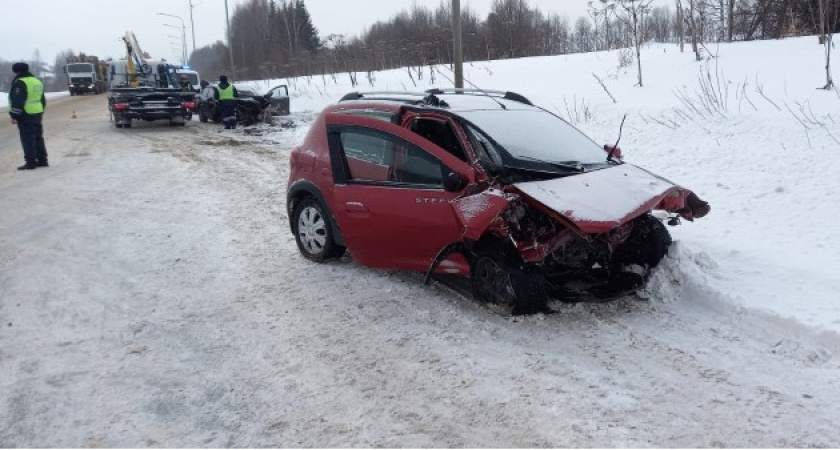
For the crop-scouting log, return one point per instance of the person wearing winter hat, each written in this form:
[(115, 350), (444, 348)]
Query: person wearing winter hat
[(226, 97), (27, 104)]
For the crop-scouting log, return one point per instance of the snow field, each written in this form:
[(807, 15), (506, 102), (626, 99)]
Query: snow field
[(762, 158)]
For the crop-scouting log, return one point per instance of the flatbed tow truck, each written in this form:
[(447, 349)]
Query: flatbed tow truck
[(144, 89)]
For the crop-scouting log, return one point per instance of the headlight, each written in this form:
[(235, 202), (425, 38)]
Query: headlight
[(90, 86)]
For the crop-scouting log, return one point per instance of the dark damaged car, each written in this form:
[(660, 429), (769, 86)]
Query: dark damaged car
[(482, 187), (251, 108)]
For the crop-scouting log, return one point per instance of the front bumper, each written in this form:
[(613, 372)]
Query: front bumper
[(152, 113)]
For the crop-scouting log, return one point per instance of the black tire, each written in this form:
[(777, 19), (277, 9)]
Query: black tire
[(660, 241), (647, 245), (499, 279), (127, 124), (312, 228), (118, 125), (201, 117)]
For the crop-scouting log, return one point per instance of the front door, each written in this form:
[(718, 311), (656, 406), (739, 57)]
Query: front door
[(390, 202)]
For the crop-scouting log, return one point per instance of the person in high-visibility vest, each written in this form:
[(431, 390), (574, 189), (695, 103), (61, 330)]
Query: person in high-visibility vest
[(226, 97), (27, 104)]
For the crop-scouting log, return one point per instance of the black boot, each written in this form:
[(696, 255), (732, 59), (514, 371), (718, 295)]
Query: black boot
[(42, 163), (27, 166)]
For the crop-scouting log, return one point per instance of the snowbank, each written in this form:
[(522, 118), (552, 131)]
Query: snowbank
[(4, 97), (756, 145)]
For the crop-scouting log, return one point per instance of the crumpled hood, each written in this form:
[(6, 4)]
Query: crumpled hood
[(601, 200)]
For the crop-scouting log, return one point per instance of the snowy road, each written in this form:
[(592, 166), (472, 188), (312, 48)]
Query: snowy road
[(152, 295)]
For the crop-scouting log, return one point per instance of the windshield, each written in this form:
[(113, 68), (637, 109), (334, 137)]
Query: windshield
[(79, 68), (536, 135), (191, 77)]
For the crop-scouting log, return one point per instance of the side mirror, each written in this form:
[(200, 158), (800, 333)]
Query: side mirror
[(454, 182), (269, 94), (616, 154)]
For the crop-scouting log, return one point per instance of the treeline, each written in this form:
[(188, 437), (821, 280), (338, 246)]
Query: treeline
[(277, 39)]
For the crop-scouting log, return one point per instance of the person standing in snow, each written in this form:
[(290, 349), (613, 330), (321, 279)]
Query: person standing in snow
[(27, 104), (208, 91), (226, 96)]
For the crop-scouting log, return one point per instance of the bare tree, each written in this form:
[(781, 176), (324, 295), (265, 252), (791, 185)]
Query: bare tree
[(601, 11), (680, 26), (634, 13), (829, 19), (731, 25), (692, 21)]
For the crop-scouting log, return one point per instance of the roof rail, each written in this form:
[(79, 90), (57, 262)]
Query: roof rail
[(513, 96), (382, 95)]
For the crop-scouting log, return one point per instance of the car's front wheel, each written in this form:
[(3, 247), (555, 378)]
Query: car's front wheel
[(312, 230), (499, 281)]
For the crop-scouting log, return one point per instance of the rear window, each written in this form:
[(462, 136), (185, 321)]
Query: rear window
[(193, 78)]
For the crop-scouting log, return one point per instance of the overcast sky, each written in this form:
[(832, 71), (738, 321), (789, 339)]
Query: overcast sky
[(95, 26)]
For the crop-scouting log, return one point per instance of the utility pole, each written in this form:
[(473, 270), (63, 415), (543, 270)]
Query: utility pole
[(192, 24), (230, 44), (459, 48)]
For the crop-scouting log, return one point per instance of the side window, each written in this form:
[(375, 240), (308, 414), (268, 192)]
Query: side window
[(373, 156), (369, 157), (441, 134), (418, 167), (384, 116)]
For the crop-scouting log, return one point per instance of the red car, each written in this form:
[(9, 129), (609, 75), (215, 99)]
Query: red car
[(483, 186)]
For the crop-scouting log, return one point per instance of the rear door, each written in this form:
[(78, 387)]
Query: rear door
[(390, 201)]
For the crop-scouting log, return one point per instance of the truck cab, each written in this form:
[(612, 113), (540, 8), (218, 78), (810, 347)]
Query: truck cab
[(84, 77)]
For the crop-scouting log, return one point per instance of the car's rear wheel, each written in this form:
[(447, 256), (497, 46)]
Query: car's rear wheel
[(313, 233), (500, 282)]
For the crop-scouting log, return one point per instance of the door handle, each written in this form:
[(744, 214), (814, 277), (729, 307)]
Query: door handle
[(355, 207)]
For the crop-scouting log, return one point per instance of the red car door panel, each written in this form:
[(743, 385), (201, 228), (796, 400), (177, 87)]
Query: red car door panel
[(392, 209)]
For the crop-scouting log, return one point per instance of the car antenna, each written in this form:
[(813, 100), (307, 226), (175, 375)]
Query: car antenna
[(620, 129), (476, 87)]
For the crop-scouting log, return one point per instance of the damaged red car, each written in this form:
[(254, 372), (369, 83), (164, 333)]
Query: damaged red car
[(482, 187)]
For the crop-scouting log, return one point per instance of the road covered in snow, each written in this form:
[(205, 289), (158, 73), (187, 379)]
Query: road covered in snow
[(151, 294)]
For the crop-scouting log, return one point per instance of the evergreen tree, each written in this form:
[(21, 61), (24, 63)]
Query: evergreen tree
[(307, 34)]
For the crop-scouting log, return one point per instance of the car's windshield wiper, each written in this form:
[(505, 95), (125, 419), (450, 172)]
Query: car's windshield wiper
[(566, 165)]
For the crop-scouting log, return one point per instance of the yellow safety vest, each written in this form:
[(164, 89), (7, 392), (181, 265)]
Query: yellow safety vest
[(226, 94), (34, 93)]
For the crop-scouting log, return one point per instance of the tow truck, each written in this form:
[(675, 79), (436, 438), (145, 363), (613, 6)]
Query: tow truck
[(146, 89)]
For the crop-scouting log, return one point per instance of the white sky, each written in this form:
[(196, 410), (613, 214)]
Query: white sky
[(95, 26)]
